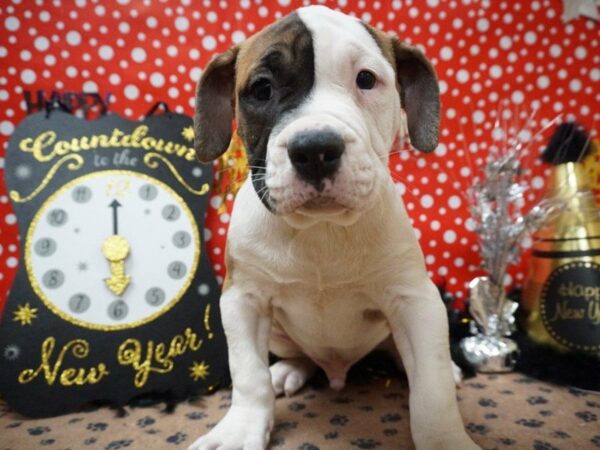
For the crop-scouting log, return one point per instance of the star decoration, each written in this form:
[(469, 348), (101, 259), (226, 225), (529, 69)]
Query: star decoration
[(25, 314), (572, 9), (11, 352), (199, 370), (188, 133)]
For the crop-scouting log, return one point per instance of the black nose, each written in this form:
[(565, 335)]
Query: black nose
[(316, 154)]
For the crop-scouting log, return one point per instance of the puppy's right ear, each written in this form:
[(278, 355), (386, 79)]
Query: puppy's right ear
[(215, 105)]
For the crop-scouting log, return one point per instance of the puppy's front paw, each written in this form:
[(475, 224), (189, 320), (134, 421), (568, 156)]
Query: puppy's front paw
[(242, 428), (455, 441)]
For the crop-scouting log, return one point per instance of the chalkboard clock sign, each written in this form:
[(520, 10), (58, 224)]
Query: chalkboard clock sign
[(114, 297)]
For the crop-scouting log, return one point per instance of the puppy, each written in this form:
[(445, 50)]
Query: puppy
[(323, 264)]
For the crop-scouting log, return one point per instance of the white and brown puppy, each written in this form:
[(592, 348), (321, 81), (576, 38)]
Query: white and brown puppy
[(323, 264)]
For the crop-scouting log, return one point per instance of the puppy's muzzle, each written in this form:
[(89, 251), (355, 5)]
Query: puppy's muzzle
[(316, 155)]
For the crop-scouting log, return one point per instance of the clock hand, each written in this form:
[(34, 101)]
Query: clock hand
[(116, 249), (114, 205)]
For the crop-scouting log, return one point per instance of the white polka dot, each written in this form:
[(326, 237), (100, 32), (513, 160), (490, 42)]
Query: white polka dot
[(131, 92), (151, 22), (173, 92), (12, 23), (73, 38), (209, 43), (71, 72), (517, 97), (182, 24), (505, 42), (478, 117), (284, 2), (575, 85), (10, 219), (427, 201), (496, 71), (106, 52), (157, 79), (90, 86), (537, 182), (454, 202), (462, 76), (580, 52), (238, 36), (138, 55), (433, 3), (28, 76), (595, 74), (555, 50), (449, 236), (195, 74), (41, 43), (11, 262), (25, 55), (441, 149), (530, 37), (459, 262), (114, 78), (6, 128), (543, 82), (483, 25), (446, 53)]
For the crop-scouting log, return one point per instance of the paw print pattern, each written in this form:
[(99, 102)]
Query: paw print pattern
[(38, 431), (118, 445), (531, 423), (391, 418), (194, 415), (296, 406), (146, 421), (331, 435), (308, 446), (587, 416), (366, 443), (338, 420), (487, 403), (97, 426), (538, 400), (542, 445), (477, 428), (176, 438)]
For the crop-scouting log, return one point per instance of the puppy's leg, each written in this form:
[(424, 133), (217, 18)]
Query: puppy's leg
[(248, 422), (390, 348), (419, 326), (289, 375)]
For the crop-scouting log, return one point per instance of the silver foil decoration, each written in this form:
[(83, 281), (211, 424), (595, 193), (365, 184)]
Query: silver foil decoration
[(496, 203)]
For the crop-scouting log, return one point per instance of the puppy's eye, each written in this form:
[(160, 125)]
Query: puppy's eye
[(365, 80), (262, 90)]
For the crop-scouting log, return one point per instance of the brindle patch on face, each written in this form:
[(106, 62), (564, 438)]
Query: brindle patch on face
[(283, 57)]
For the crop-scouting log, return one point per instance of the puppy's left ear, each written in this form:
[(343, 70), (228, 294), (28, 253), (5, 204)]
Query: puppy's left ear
[(419, 95), (215, 106)]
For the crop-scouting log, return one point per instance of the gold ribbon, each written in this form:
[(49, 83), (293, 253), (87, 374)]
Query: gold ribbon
[(75, 164), (149, 161)]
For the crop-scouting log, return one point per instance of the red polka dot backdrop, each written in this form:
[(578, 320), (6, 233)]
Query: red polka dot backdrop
[(497, 61)]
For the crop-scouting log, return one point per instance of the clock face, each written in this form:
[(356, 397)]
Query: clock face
[(112, 250)]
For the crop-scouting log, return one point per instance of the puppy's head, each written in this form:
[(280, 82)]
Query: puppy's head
[(317, 97)]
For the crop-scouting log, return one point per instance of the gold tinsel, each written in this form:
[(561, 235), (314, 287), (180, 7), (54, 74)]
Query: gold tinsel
[(231, 171), (591, 165)]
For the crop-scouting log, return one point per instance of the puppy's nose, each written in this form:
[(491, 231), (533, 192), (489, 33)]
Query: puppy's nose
[(316, 154)]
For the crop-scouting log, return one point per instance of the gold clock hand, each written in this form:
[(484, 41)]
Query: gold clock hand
[(116, 249)]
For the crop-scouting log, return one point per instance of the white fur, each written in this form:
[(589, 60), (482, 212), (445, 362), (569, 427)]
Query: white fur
[(302, 284)]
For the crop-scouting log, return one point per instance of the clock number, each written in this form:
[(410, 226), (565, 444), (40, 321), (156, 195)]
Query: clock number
[(53, 279), (181, 239), (82, 194), (171, 213), (176, 270), (118, 188), (155, 296), (45, 247), (117, 310), (79, 303), (148, 192), (57, 217)]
